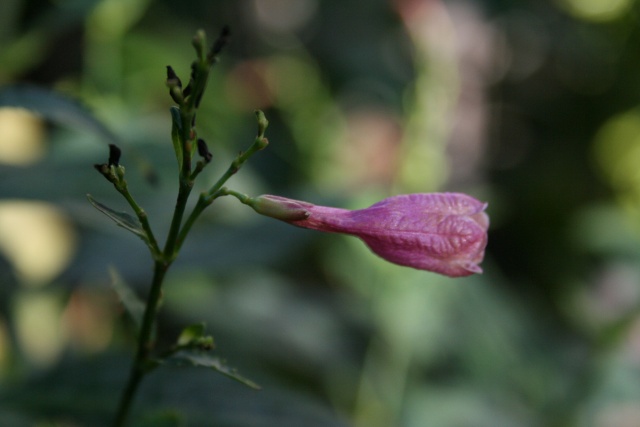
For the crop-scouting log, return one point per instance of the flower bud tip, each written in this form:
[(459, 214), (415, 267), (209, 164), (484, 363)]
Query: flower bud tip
[(203, 150), (114, 155)]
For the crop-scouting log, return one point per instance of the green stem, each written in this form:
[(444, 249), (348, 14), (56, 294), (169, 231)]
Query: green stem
[(240, 196), (201, 205), (258, 144), (171, 246), (142, 217), (145, 343), (141, 364), (237, 163), (175, 238), (215, 191)]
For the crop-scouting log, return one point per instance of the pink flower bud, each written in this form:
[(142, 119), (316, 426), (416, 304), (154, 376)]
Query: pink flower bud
[(441, 232)]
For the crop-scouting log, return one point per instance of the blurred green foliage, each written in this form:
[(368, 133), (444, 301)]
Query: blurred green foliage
[(531, 105)]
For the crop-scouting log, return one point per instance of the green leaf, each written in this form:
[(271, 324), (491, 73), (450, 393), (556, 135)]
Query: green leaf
[(132, 304), (191, 334), (123, 219), (201, 359)]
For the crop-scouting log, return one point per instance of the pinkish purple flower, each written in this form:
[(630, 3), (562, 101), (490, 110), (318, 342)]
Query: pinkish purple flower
[(441, 232)]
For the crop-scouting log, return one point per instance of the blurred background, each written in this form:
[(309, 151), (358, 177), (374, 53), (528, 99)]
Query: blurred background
[(530, 105)]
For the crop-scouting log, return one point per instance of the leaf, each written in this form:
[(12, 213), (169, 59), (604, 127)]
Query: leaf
[(191, 334), (132, 304), (204, 360), (123, 219), (55, 107)]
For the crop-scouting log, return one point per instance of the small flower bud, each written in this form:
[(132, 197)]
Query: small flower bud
[(176, 94), (263, 123), (203, 150), (175, 86), (103, 168), (120, 172), (172, 78), (187, 90), (114, 155), (199, 42), (106, 171), (222, 40)]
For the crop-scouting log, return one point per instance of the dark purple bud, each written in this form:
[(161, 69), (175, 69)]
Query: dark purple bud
[(172, 77), (187, 90), (175, 86), (222, 40), (203, 150), (114, 155)]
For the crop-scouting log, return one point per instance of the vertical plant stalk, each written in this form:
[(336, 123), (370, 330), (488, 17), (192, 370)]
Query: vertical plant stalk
[(141, 364), (185, 141)]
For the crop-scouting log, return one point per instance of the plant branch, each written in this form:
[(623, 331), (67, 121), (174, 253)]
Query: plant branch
[(145, 343), (122, 188), (214, 192), (258, 144), (185, 140), (171, 247)]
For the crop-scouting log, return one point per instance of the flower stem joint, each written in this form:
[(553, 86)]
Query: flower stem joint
[(445, 233)]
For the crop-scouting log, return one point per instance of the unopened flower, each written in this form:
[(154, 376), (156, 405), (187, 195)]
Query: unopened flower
[(441, 232)]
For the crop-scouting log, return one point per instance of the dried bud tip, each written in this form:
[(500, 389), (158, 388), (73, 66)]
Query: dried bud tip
[(172, 77), (114, 155), (187, 90), (203, 150), (222, 40)]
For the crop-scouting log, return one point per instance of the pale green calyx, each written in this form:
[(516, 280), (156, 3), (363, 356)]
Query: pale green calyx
[(280, 207)]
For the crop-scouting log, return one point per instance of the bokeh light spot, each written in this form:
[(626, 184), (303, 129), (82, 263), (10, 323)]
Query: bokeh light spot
[(38, 326), (36, 238), (597, 10), (617, 151), (284, 15), (21, 137)]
